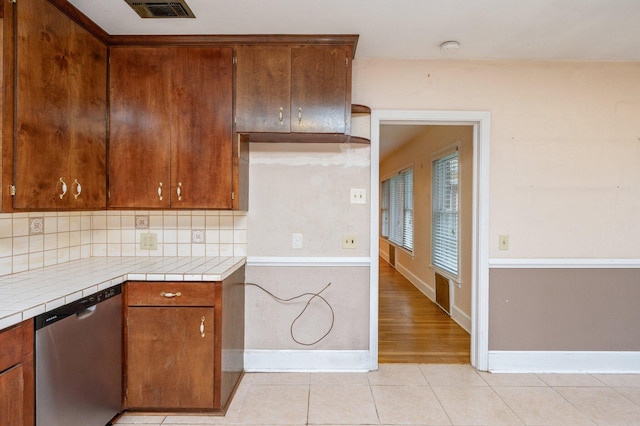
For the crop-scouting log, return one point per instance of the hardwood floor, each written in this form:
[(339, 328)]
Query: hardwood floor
[(413, 329)]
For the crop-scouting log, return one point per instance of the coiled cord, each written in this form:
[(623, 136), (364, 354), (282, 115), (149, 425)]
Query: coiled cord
[(313, 296)]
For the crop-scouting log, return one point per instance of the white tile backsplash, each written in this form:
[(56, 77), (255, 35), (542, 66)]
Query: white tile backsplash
[(76, 235)]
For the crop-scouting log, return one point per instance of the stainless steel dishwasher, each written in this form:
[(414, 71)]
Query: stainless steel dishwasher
[(79, 361)]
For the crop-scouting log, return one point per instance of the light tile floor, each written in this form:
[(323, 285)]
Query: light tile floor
[(433, 394)]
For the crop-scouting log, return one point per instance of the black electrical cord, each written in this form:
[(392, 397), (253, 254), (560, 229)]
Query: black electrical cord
[(313, 296)]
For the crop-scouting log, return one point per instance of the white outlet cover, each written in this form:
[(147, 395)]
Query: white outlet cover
[(349, 241), (358, 196)]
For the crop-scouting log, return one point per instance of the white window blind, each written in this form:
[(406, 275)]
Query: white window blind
[(444, 232), (397, 209)]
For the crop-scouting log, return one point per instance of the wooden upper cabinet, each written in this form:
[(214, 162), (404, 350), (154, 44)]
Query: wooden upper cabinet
[(171, 112), (319, 101), (202, 127), (263, 89), (60, 124), (303, 89), (140, 135)]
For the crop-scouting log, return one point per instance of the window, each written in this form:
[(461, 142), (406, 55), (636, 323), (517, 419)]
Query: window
[(397, 209), (444, 229)]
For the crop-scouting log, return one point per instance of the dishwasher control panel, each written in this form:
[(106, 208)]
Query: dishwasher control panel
[(76, 307)]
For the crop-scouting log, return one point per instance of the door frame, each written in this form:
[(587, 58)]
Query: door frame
[(480, 120)]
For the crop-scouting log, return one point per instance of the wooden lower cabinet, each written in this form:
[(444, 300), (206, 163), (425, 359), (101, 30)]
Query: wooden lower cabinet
[(175, 334), (170, 363), (17, 384)]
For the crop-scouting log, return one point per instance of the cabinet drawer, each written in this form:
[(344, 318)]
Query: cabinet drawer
[(170, 294), (15, 342)]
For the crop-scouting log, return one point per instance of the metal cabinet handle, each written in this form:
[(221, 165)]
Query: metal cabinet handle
[(299, 115), (64, 189), (78, 189), (281, 116), (202, 327), (170, 295), (179, 191), (160, 191)]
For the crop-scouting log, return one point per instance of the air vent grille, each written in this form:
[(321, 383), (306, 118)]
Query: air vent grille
[(159, 9)]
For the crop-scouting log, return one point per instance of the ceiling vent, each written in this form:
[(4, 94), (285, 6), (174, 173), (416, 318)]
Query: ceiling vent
[(159, 9)]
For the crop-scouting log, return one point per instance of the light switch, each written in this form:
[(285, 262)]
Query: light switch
[(296, 240), (503, 242)]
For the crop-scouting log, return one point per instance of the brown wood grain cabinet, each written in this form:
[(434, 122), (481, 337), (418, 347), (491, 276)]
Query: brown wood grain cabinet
[(293, 90), (17, 381), (171, 132), (176, 333), (60, 111)]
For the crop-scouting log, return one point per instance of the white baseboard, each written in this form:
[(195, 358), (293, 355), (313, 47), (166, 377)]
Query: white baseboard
[(461, 318), (564, 362), (424, 288), (581, 263), (304, 360), (307, 261)]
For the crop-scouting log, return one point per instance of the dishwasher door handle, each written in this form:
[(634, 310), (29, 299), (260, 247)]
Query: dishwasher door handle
[(87, 312)]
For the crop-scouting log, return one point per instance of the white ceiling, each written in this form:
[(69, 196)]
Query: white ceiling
[(522, 29), (603, 30)]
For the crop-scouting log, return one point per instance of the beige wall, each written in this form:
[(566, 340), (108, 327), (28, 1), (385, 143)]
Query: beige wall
[(564, 184), (420, 153), (564, 309), (305, 188), (564, 145)]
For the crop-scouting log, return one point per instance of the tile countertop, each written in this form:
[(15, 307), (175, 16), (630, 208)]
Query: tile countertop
[(27, 294)]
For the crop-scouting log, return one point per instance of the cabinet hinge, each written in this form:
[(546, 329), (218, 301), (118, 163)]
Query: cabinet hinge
[(12, 190)]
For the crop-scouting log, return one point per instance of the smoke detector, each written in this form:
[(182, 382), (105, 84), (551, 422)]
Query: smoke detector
[(449, 47), (161, 9)]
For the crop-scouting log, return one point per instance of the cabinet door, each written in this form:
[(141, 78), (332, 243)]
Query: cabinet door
[(201, 127), (17, 382), (140, 138), (319, 101), (263, 89), (12, 397), (60, 111), (169, 362)]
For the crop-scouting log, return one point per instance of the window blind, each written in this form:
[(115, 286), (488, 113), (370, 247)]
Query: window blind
[(445, 197), (397, 209)]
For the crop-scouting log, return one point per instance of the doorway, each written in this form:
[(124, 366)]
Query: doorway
[(411, 327), (480, 206)]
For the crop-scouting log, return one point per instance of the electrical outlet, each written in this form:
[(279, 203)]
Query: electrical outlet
[(503, 242), (149, 241), (358, 196), (349, 241)]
